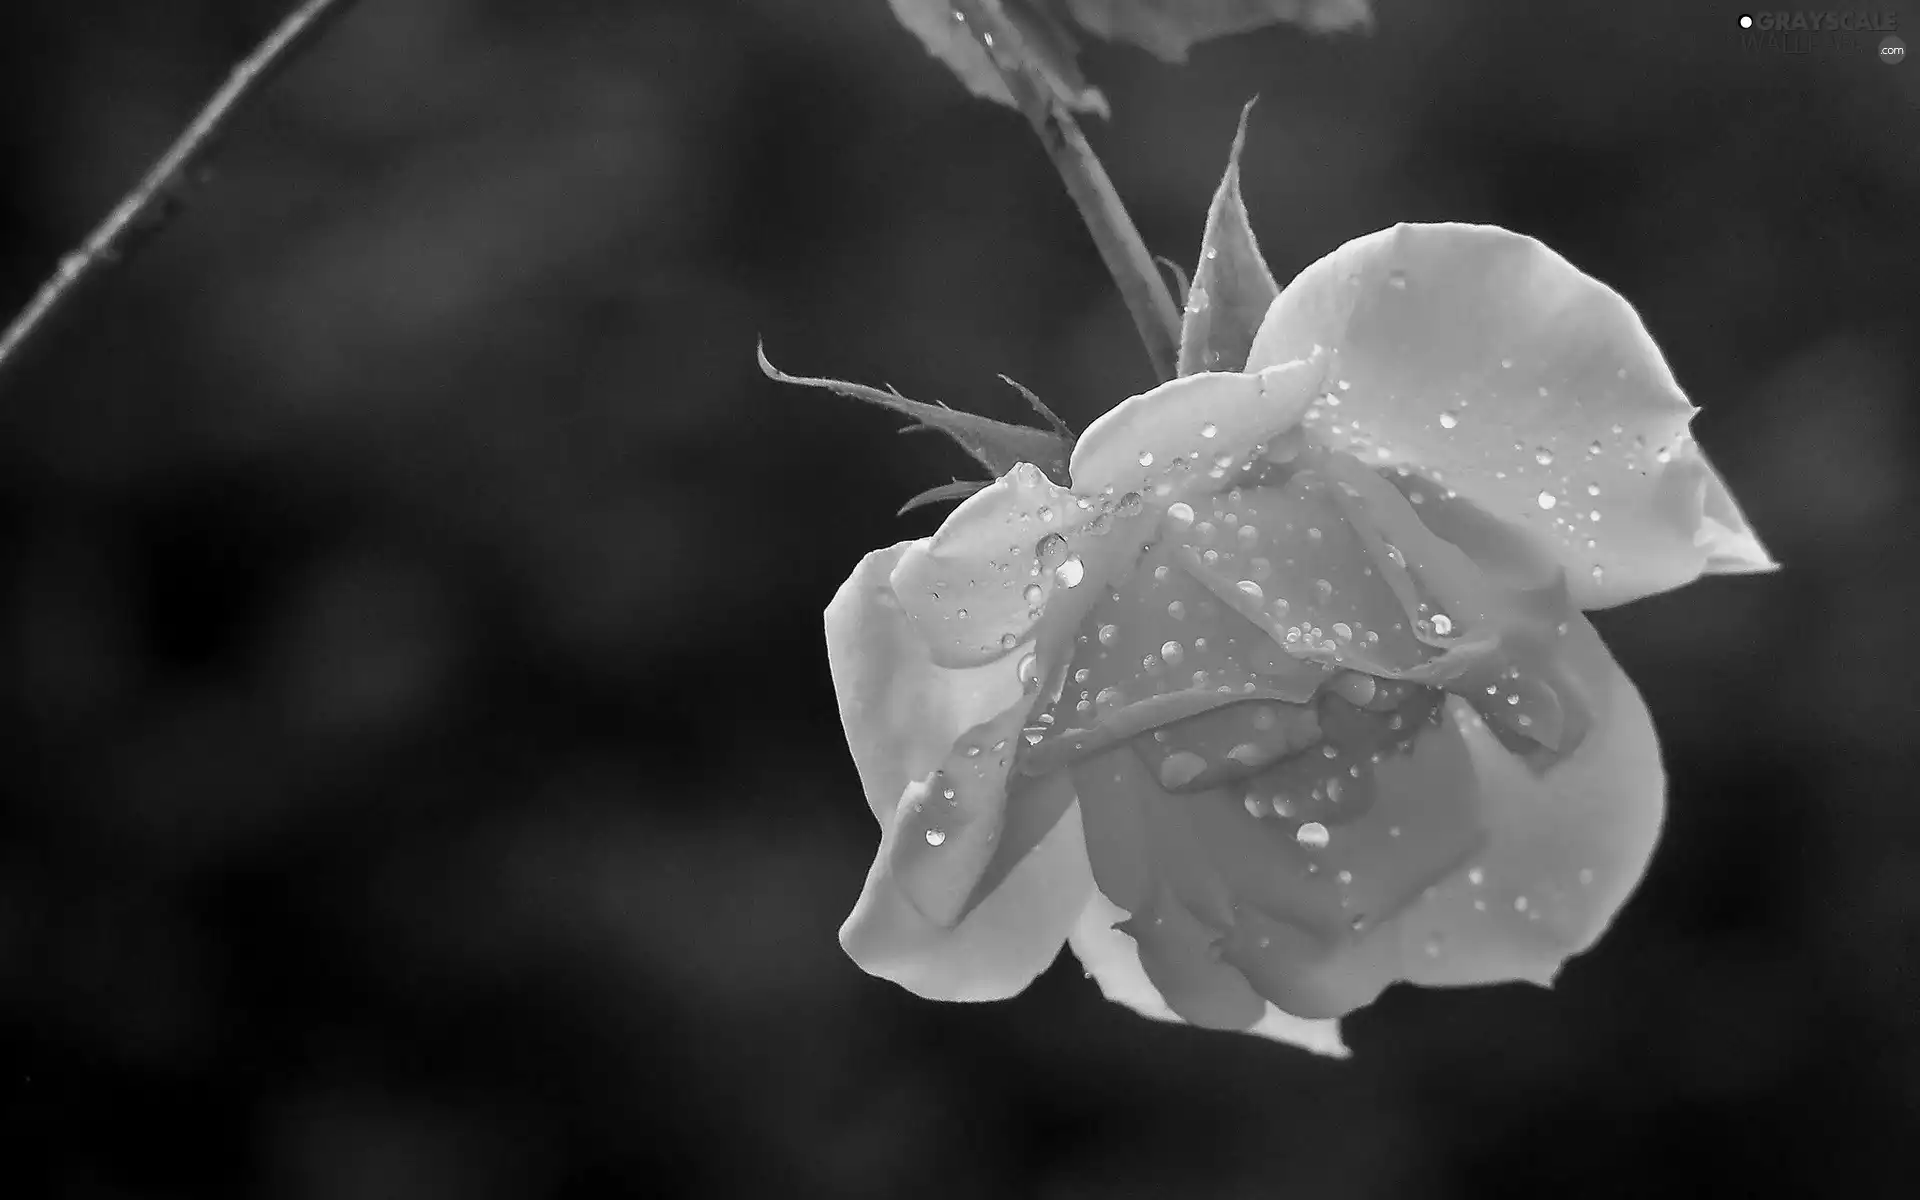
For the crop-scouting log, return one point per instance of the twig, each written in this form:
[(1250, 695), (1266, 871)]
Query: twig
[(143, 210), (1127, 258)]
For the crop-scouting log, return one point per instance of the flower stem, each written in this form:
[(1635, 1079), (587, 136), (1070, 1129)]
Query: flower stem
[(1129, 262), (146, 208)]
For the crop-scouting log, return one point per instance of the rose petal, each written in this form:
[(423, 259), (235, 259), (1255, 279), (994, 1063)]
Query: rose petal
[(1134, 445), (901, 712), (1488, 362), (1472, 864), (1113, 959), (998, 948)]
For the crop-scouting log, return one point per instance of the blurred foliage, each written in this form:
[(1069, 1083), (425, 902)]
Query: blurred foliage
[(422, 772)]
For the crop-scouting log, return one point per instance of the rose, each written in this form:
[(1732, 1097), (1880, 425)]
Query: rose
[(1290, 696)]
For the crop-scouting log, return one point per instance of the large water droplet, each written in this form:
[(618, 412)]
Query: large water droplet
[(936, 836), (1146, 458), (1449, 419), (1070, 572), (1209, 430), (1032, 593), (1172, 652), (1180, 513), (1543, 456), (1442, 624), (1181, 768), (1313, 836), (1109, 634), (1050, 551), (1251, 590), (1547, 500), (1130, 504)]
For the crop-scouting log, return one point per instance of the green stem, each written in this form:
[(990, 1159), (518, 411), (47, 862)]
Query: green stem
[(1129, 262)]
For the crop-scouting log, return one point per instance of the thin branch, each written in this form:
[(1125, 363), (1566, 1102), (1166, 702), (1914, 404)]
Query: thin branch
[(146, 208), (1127, 258)]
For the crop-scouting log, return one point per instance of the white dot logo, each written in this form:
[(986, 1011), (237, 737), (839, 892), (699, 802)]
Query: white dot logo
[(1893, 51), (1746, 22)]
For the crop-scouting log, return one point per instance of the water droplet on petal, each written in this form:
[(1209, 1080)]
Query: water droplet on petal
[(1180, 513), (1032, 594), (1547, 500), (1397, 280), (1070, 572), (1181, 768), (1209, 430), (1029, 671), (1130, 504), (1251, 590), (1172, 652), (1008, 641), (1313, 836), (1449, 419), (1050, 550), (1476, 876), (1146, 458), (1109, 634), (936, 836), (1442, 624), (1177, 610), (1543, 456)]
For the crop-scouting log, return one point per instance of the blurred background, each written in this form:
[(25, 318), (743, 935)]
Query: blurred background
[(421, 775)]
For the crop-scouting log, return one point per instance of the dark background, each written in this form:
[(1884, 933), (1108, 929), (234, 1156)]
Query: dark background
[(421, 772)]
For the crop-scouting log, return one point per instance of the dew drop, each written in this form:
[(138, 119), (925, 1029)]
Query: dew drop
[(1130, 504), (1251, 590), (1109, 634), (1008, 641), (1547, 500), (1181, 768), (1449, 419), (1397, 280), (1442, 624), (1543, 456), (1313, 836), (1032, 593), (1180, 513), (1593, 447), (1476, 876), (1209, 430), (936, 836), (1029, 671), (1146, 458), (1050, 550), (1070, 572), (1323, 588), (1172, 652)]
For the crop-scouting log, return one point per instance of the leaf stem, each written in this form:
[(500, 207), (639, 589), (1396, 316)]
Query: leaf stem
[(146, 208), (1129, 262)]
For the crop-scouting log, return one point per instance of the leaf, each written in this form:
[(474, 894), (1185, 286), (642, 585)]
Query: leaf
[(1045, 45), (1167, 28), (1232, 287), (959, 489), (996, 445)]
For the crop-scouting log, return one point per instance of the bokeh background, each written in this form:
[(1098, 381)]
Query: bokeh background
[(421, 773)]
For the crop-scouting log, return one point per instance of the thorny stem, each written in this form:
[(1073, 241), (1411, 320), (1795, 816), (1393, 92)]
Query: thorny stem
[(1128, 260), (145, 209)]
